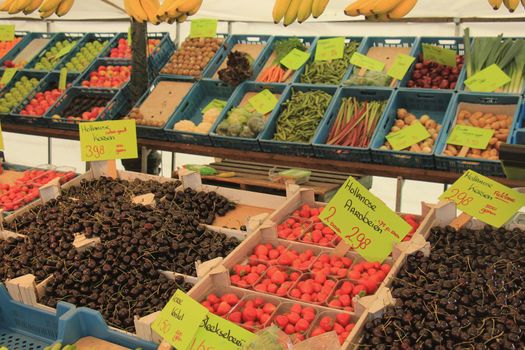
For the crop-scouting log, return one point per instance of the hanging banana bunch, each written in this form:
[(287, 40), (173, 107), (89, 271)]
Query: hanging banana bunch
[(153, 12), (511, 5), (45, 7), (290, 11), (383, 10)]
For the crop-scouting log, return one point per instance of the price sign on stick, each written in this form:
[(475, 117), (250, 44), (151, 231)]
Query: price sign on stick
[(203, 28), (438, 54), (364, 222), (108, 140), (264, 102), (408, 136), (295, 59), (330, 49), (470, 136), (400, 67), (62, 81), (215, 103), (9, 73), (7, 32), (484, 199), (366, 62), (488, 80)]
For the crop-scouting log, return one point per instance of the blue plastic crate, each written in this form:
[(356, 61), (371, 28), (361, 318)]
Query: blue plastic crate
[(435, 104), (243, 143), (371, 42), (161, 53), (460, 164), (308, 41), (30, 75), (208, 65), (84, 322), (93, 67), (268, 144), (18, 34), (200, 95), (56, 38), (49, 82), (150, 132), (28, 38), (88, 38), (26, 327), (212, 70), (113, 108), (300, 72), (452, 43), (353, 154)]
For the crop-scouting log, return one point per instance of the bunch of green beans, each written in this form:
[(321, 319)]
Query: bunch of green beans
[(301, 116)]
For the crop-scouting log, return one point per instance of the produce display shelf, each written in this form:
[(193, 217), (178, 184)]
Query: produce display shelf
[(56, 38), (243, 143), (436, 104), (19, 74), (28, 38), (356, 154)]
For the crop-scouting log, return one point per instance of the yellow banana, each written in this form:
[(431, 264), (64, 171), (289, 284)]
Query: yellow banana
[(136, 11), (511, 4), (189, 5), (182, 18), (194, 10), (35, 4), (366, 8), (352, 9), (162, 9), (64, 7), (172, 10), (47, 14), (279, 9), (6, 5), (18, 5), (150, 8), (384, 6), (305, 10), (291, 13), (319, 6), (49, 5), (382, 17), (402, 9), (496, 4)]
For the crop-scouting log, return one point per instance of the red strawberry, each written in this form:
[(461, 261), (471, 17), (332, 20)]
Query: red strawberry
[(269, 308), (230, 298), (326, 323), (235, 317), (317, 331), (281, 321), (249, 314), (213, 299), (289, 329), (223, 308), (302, 325), (338, 328), (296, 308)]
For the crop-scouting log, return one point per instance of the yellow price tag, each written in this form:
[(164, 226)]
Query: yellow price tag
[(108, 140), (488, 80), (203, 28), (62, 81), (7, 32), (9, 73), (400, 67), (364, 61), (330, 49), (470, 136), (264, 102), (408, 136), (438, 54), (295, 59)]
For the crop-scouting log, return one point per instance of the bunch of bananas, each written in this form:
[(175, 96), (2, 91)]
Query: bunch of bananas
[(291, 10), (382, 10), (511, 5), (46, 7), (153, 12)]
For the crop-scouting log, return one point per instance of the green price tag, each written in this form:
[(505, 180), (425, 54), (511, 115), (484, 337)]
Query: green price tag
[(364, 222), (203, 28), (1, 139), (108, 140), (330, 49), (9, 73), (65, 50), (439, 55), (7, 32), (62, 81), (488, 80), (470, 136), (408, 136), (484, 199), (215, 103), (295, 59), (187, 325), (130, 35), (364, 61), (400, 67), (264, 102)]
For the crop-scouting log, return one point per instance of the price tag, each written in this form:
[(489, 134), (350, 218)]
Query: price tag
[(295, 59), (62, 81), (187, 325), (9, 73), (215, 103), (129, 36), (65, 50), (330, 49), (438, 54), (488, 80), (264, 102), (408, 136), (108, 140), (400, 67), (470, 136), (203, 28), (364, 61), (484, 199), (7, 32), (364, 222), (1, 139)]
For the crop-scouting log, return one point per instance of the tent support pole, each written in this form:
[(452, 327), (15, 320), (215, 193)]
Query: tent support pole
[(457, 26)]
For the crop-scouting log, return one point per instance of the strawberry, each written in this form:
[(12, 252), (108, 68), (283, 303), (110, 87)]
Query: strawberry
[(289, 329), (317, 331), (338, 328), (293, 317), (296, 308), (326, 323), (249, 314), (212, 299), (230, 298), (235, 317), (269, 308), (281, 321), (223, 308), (302, 325), (343, 319)]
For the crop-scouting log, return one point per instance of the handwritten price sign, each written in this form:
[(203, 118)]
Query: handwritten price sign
[(364, 222), (108, 140), (484, 199)]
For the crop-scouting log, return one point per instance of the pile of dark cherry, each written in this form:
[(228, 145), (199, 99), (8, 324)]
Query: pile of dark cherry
[(119, 277)]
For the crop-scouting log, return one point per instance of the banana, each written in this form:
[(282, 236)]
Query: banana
[(35, 4), (511, 4), (319, 6), (172, 9), (352, 9), (189, 5), (47, 14), (402, 9), (182, 18), (18, 5), (150, 8), (305, 10), (64, 7), (291, 13), (496, 4), (136, 11), (162, 9), (49, 5), (6, 5), (279, 10), (366, 8), (382, 17), (194, 10), (384, 6)]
